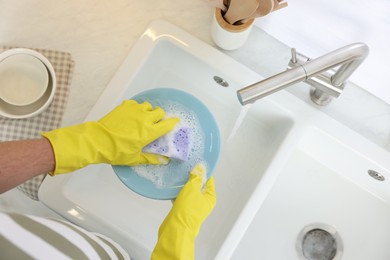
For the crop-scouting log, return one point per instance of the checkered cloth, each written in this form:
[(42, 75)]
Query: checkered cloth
[(18, 129)]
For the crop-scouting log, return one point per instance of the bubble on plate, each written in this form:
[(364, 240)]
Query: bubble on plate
[(175, 173)]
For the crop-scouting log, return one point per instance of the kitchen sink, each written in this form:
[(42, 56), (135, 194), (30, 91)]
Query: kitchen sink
[(279, 160), (166, 57)]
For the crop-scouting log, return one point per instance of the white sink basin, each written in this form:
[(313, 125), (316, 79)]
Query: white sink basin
[(256, 155), (324, 184), (167, 57)]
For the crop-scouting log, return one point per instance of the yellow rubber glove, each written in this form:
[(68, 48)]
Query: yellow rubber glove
[(176, 236), (117, 138)]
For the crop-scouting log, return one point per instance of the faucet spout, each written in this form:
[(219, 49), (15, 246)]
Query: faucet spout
[(327, 74), (348, 58)]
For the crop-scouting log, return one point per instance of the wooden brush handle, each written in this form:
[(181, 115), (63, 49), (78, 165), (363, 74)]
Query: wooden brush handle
[(279, 4)]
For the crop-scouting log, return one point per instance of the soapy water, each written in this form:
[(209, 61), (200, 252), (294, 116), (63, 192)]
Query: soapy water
[(176, 172)]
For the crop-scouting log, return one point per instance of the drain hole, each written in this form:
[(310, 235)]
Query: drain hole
[(319, 241), (220, 81), (319, 244)]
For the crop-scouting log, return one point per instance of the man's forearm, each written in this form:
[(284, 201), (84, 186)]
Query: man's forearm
[(23, 160)]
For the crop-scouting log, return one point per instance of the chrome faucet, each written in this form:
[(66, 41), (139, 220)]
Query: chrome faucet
[(326, 74)]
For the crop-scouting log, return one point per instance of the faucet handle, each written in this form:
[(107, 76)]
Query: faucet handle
[(297, 59), (293, 55)]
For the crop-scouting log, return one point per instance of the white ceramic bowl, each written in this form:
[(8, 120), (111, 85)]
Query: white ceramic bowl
[(13, 105), (23, 79)]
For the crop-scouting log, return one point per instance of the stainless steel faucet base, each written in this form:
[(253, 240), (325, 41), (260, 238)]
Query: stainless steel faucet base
[(319, 97)]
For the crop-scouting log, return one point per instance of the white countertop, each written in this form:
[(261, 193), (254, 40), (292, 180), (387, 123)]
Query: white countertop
[(100, 34), (97, 34)]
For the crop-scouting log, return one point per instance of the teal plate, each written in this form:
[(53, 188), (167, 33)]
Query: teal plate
[(165, 181)]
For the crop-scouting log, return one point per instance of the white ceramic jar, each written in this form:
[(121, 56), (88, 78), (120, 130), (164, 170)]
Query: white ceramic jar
[(228, 36)]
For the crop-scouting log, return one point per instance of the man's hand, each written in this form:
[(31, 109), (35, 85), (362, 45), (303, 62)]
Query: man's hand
[(117, 138), (176, 236)]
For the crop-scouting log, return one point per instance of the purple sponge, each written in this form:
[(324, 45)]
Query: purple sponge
[(175, 145)]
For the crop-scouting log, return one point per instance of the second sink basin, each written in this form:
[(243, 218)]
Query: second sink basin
[(324, 185)]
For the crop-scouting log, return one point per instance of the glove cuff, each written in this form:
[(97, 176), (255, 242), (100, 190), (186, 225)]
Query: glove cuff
[(175, 241), (73, 147)]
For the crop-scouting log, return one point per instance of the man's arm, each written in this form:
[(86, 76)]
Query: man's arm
[(118, 138), (23, 160)]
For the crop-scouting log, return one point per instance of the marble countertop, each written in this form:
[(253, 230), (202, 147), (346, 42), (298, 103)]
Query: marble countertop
[(99, 34)]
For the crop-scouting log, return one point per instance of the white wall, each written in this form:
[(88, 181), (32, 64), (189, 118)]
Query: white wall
[(318, 26)]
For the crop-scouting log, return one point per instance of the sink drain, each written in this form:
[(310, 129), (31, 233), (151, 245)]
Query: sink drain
[(319, 242)]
